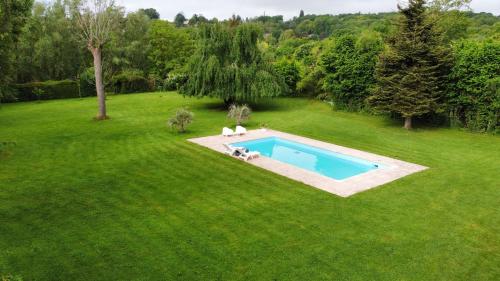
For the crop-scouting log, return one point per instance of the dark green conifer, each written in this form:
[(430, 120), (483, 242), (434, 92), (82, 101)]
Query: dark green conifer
[(411, 72)]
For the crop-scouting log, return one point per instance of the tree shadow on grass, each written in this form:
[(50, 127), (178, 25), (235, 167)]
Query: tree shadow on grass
[(266, 105), (256, 106), (419, 123)]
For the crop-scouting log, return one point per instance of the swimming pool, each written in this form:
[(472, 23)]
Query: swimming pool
[(325, 162)]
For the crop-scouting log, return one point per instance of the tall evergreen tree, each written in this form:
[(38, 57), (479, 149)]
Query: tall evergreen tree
[(229, 65), (411, 72)]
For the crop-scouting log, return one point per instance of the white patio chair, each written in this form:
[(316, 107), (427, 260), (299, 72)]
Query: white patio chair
[(240, 130), (227, 132)]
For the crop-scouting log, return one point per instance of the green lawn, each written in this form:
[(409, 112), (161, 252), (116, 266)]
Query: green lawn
[(128, 199)]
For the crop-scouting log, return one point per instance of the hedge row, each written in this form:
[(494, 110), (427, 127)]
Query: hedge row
[(85, 87), (47, 90)]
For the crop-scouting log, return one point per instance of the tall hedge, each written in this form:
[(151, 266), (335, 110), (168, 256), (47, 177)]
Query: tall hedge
[(474, 89), (47, 90)]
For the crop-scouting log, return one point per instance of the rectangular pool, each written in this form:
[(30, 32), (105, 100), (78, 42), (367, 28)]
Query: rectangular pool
[(325, 162)]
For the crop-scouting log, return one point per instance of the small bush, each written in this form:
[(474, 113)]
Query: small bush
[(155, 82), (130, 82), (47, 90), (240, 113), (181, 120), (174, 82), (39, 93)]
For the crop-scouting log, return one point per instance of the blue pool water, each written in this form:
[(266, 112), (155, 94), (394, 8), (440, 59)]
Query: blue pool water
[(322, 161)]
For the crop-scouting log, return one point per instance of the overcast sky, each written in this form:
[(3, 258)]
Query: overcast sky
[(225, 8)]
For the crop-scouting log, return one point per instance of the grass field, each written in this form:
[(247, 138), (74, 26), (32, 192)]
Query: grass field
[(128, 199)]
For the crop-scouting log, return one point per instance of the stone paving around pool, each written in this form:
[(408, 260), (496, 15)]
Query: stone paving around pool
[(390, 170)]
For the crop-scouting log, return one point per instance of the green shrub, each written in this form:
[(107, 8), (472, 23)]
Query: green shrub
[(47, 90), (155, 82), (174, 82), (130, 82), (39, 93), (181, 120)]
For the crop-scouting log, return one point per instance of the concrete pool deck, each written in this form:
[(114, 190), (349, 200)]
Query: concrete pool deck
[(390, 170)]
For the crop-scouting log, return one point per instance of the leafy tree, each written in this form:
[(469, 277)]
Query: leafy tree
[(411, 72), (151, 13), (129, 45), (196, 20), (49, 28), (349, 67), (447, 5), (234, 21), (322, 26), (311, 84), (97, 19), (13, 16), (136, 41), (287, 35), (304, 53), (451, 18), (179, 19), (229, 65), (170, 48), (289, 70), (288, 47), (305, 28)]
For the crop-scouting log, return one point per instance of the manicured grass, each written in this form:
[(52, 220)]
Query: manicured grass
[(128, 199)]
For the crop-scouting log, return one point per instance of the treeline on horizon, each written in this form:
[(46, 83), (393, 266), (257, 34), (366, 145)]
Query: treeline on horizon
[(331, 57)]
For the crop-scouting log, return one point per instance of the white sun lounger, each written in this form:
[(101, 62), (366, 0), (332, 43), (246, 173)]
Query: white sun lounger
[(243, 155), (227, 132), (240, 130), (231, 150)]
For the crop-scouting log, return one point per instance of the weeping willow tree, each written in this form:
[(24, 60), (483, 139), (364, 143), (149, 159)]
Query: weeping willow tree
[(229, 65)]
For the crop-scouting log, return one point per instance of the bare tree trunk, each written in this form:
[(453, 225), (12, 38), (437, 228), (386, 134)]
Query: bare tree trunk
[(407, 123), (99, 84)]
